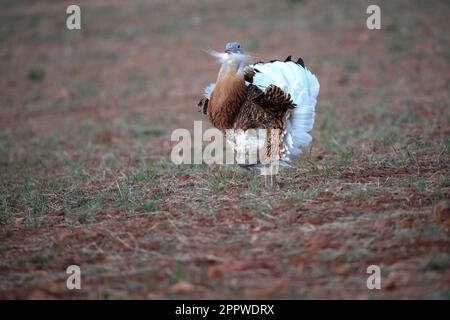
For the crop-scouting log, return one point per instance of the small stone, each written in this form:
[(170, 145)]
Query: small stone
[(181, 287), (441, 212), (395, 279)]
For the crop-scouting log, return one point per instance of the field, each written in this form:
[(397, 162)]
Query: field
[(86, 177)]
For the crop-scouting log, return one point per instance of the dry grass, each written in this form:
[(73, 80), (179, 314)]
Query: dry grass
[(86, 177)]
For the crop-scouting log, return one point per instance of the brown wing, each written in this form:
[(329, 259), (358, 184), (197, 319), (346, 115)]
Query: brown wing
[(274, 99)]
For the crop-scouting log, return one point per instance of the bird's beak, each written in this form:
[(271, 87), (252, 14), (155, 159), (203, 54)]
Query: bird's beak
[(227, 51)]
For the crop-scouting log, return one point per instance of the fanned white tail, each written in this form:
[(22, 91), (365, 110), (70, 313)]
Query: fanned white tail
[(303, 87)]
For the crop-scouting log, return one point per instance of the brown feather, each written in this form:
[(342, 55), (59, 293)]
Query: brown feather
[(233, 105), (226, 100)]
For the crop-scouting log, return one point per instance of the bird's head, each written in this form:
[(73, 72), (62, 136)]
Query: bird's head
[(233, 56), (234, 48)]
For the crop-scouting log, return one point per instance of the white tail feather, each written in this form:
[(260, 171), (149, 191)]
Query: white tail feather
[(303, 87)]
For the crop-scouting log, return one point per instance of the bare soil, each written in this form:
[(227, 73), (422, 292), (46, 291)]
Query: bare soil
[(86, 177)]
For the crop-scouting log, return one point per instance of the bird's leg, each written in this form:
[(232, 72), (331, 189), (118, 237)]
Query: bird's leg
[(269, 182), (268, 178), (272, 185)]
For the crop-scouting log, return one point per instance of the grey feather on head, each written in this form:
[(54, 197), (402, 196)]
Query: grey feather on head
[(234, 47), (233, 57)]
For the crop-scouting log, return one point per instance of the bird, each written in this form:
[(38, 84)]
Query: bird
[(277, 96)]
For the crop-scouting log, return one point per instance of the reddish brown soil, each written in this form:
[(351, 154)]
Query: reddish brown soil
[(86, 179)]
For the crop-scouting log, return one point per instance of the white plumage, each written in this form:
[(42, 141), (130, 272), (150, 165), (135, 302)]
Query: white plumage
[(303, 87)]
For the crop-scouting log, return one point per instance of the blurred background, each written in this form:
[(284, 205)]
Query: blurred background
[(85, 174)]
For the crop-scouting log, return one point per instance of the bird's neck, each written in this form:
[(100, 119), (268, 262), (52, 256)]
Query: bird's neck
[(230, 68), (227, 98)]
